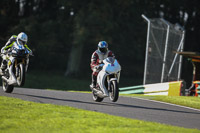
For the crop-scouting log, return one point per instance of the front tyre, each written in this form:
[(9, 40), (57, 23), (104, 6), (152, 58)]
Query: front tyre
[(7, 88), (114, 93), (20, 74)]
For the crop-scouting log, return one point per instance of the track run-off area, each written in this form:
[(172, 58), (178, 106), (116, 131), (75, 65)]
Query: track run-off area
[(130, 107)]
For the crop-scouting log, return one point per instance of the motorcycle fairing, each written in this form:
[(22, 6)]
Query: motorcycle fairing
[(12, 79), (111, 68), (11, 62), (108, 68), (101, 82)]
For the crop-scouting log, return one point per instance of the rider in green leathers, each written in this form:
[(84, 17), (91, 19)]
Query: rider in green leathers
[(21, 39)]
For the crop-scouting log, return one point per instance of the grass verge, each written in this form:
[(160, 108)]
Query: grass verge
[(56, 81), (189, 101), (23, 116)]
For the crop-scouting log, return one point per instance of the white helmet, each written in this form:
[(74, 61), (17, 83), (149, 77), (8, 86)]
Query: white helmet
[(22, 38)]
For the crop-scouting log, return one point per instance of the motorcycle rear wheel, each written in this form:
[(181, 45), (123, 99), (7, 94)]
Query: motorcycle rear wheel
[(7, 88), (96, 98), (114, 93)]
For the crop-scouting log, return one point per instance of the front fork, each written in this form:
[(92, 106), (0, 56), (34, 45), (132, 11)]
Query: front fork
[(14, 65), (109, 83), (109, 80), (17, 68)]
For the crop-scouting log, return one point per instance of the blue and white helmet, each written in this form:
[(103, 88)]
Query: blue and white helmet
[(103, 47), (22, 38)]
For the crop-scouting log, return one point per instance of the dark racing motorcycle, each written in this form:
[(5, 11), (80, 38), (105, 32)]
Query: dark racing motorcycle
[(17, 64)]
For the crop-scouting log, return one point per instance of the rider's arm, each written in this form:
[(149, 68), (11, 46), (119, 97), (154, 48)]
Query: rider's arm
[(111, 54), (2, 49), (30, 51), (27, 48), (9, 43), (94, 60)]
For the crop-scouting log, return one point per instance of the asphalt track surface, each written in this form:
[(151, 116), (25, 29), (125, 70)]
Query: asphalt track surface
[(126, 107)]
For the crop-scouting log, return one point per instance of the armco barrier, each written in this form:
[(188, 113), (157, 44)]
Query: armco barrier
[(168, 88)]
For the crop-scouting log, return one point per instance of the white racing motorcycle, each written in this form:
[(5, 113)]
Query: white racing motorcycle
[(17, 64), (107, 81)]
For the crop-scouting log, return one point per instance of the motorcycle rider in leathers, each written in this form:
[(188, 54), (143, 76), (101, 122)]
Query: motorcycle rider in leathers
[(97, 58), (22, 39)]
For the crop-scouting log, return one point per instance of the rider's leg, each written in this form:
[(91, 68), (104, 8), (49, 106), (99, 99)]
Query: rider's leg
[(94, 79), (3, 63)]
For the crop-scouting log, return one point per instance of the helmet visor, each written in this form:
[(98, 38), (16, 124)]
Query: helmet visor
[(103, 50), (21, 42)]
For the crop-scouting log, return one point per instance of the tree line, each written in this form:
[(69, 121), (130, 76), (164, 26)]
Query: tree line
[(64, 34)]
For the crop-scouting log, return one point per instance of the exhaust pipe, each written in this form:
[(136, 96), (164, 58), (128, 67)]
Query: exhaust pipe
[(10, 82), (98, 93), (4, 78)]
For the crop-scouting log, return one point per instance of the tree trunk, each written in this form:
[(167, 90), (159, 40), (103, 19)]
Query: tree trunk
[(73, 65), (74, 60)]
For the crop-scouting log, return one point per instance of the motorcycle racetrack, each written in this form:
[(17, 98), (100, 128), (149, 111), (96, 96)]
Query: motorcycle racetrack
[(135, 108)]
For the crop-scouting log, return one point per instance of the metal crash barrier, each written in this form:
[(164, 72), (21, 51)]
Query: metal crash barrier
[(176, 88)]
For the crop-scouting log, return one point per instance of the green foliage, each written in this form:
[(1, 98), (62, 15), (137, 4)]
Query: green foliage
[(55, 28), (23, 116), (8, 18)]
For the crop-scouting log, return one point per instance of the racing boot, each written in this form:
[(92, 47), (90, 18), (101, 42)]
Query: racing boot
[(94, 82)]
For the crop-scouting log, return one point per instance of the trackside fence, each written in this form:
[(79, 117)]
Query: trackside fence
[(164, 39)]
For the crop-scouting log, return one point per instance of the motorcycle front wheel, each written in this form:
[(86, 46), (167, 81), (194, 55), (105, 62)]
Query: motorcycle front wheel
[(7, 88), (114, 92), (96, 98), (20, 74)]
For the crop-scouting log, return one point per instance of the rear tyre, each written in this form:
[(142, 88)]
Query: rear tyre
[(7, 88), (114, 93), (96, 98)]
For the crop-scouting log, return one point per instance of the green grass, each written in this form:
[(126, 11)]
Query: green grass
[(23, 116), (55, 80), (188, 101)]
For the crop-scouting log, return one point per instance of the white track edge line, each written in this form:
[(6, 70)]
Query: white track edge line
[(164, 103)]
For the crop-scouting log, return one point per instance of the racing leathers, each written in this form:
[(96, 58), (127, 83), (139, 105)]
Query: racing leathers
[(97, 59), (7, 46)]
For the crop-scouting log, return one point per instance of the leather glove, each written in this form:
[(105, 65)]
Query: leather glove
[(99, 67)]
